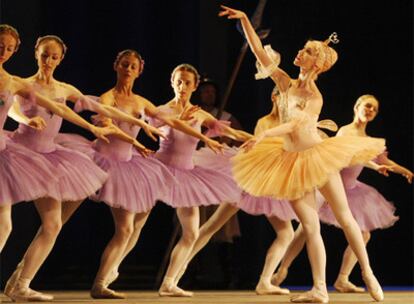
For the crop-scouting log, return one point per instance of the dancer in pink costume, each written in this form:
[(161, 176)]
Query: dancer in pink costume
[(78, 175), (24, 175), (195, 186), (278, 212), (370, 209), (134, 183), (297, 160)]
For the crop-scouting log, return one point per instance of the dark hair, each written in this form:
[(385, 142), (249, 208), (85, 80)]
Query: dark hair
[(54, 38), (127, 52), (8, 29)]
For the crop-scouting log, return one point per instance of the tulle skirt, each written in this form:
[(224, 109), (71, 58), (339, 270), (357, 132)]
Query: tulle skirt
[(79, 177), (266, 206), (269, 170), (200, 187), (369, 208), (134, 185), (24, 175)]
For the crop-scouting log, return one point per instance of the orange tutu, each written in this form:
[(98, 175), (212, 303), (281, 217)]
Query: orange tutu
[(269, 170)]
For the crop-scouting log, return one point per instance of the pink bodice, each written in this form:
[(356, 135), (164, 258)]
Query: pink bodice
[(41, 141), (350, 175), (116, 148), (177, 148)]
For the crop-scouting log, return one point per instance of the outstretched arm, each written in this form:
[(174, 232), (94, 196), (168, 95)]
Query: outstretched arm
[(396, 168), (23, 89), (210, 121), (178, 124), (279, 76), (106, 109)]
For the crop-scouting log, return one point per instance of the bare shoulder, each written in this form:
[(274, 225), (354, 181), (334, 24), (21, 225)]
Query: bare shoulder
[(66, 87), (18, 83), (345, 130), (107, 97)]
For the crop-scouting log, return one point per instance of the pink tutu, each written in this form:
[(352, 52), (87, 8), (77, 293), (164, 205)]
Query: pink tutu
[(369, 208), (200, 186), (79, 176), (267, 206), (24, 174), (134, 183)]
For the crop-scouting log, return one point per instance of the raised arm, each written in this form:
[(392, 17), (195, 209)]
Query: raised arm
[(106, 109), (281, 78)]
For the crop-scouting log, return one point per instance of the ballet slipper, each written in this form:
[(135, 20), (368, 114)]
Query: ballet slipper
[(173, 291), (12, 281), (312, 296), (374, 288), (101, 292), (318, 294), (113, 275), (279, 276), (262, 289), (344, 286), (29, 295)]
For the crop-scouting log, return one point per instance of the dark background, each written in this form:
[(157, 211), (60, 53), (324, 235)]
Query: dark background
[(375, 56)]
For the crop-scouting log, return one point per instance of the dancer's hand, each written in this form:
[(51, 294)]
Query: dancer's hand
[(37, 123), (214, 145), (231, 13), (188, 113), (383, 169), (102, 132), (251, 143), (144, 151), (151, 131), (408, 175)]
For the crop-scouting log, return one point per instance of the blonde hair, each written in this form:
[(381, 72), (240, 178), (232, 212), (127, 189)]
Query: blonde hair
[(8, 29), (327, 56)]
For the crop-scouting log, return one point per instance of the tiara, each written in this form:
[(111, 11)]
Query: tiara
[(332, 38)]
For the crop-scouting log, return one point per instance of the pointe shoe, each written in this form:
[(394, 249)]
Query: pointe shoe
[(347, 287), (12, 281), (174, 291), (374, 288), (29, 295), (112, 278), (312, 296), (262, 290), (279, 277), (101, 292)]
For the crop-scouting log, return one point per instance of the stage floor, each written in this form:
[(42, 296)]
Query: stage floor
[(221, 297)]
